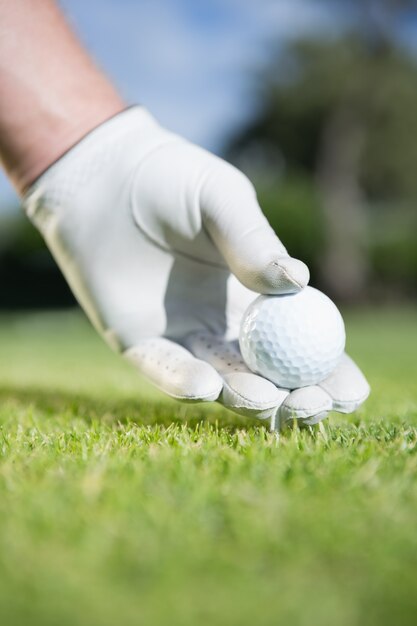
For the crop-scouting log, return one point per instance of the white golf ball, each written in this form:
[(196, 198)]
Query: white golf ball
[(293, 340)]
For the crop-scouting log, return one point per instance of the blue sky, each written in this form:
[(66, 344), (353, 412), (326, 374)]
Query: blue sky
[(190, 61)]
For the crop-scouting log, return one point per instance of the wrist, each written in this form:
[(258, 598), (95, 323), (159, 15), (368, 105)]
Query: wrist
[(44, 136), (51, 92), (103, 153)]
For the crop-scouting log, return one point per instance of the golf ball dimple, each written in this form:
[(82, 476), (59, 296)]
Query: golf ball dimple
[(294, 340)]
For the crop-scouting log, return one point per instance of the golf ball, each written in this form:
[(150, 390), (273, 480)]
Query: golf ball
[(294, 340)]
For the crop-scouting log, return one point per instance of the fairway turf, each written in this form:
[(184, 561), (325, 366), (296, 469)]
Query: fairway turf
[(118, 506)]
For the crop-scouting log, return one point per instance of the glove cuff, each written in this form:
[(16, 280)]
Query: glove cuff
[(99, 142)]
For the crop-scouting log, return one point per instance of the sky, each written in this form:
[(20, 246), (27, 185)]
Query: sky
[(190, 61)]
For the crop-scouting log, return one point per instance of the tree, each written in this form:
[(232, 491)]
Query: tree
[(343, 112)]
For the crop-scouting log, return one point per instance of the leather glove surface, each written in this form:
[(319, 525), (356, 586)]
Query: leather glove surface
[(164, 245)]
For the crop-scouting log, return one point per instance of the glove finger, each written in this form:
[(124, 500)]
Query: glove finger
[(344, 391), (243, 392), (347, 386), (305, 406), (174, 370), (256, 256)]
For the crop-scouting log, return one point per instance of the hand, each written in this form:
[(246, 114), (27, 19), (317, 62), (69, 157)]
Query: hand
[(164, 245)]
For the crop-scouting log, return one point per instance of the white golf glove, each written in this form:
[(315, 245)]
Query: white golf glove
[(164, 245)]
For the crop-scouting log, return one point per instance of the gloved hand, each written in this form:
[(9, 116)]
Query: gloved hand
[(164, 246)]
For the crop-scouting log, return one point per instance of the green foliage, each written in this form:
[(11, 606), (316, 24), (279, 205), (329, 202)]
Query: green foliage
[(29, 276), (293, 210), (339, 115), (119, 506), (392, 249), (301, 89), (395, 261)]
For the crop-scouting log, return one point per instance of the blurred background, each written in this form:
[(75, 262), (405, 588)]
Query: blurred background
[(315, 100)]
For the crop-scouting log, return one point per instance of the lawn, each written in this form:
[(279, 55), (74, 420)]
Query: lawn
[(118, 506)]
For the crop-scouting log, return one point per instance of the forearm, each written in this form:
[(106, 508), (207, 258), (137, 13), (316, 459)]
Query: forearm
[(51, 93)]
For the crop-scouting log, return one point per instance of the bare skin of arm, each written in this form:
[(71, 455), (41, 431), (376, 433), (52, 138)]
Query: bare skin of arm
[(51, 93)]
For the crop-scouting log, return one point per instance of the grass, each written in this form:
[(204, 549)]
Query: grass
[(118, 506)]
